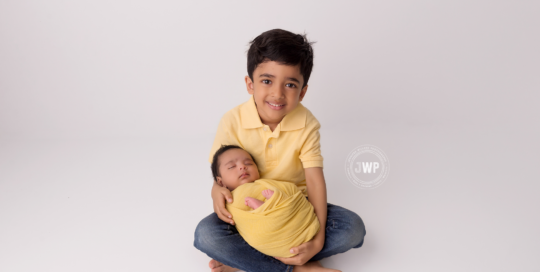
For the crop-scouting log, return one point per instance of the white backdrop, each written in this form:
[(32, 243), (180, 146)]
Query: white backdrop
[(108, 110)]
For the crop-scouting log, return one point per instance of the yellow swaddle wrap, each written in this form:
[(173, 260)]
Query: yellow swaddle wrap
[(284, 221)]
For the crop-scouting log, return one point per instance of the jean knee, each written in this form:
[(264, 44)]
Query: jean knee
[(359, 230), (353, 229), (204, 233)]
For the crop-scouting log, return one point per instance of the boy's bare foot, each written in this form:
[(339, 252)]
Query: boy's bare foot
[(267, 193), (313, 267), (219, 267), (253, 203)]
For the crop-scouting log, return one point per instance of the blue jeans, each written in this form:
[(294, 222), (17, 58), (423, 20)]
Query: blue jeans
[(222, 242)]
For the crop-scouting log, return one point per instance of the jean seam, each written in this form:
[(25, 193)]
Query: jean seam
[(331, 225)]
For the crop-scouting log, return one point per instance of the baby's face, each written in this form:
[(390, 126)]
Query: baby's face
[(236, 168)]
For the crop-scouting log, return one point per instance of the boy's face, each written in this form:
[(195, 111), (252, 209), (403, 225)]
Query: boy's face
[(276, 89), (236, 167)]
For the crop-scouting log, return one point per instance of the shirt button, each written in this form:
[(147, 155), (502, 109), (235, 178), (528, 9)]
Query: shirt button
[(264, 128), (270, 146)]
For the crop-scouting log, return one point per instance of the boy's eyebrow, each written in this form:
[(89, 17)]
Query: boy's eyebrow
[(272, 76)]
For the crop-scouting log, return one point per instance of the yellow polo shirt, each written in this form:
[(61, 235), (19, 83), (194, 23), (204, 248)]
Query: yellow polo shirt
[(281, 154)]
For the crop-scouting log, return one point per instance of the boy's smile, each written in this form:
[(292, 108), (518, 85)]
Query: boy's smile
[(276, 89)]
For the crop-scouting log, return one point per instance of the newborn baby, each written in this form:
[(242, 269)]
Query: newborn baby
[(272, 216), (249, 173)]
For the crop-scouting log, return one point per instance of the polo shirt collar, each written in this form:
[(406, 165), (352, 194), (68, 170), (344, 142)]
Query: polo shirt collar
[(296, 119)]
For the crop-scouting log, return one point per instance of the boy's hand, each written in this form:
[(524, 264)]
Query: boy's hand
[(219, 195), (305, 252)]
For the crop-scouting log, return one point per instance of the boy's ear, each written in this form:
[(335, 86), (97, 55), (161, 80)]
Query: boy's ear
[(249, 85), (303, 93)]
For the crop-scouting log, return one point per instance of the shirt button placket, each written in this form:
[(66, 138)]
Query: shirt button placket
[(268, 151), (272, 148)]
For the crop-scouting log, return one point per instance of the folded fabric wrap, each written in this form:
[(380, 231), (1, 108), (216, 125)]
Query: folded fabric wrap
[(284, 221)]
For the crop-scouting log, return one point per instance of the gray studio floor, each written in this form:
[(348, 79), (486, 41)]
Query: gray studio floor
[(450, 203)]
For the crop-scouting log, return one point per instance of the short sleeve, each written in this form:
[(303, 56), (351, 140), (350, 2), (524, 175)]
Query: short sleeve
[(310, 153)]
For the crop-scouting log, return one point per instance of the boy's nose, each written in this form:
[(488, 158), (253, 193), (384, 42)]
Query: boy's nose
[(278, 91)]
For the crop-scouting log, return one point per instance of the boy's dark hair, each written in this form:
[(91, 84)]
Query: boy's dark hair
[(215, 166), (284, 47)]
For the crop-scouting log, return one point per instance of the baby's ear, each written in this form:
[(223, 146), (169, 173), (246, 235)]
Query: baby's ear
[(219, 182)]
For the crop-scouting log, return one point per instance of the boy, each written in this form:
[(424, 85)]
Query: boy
[(286, 219), (283, 136)]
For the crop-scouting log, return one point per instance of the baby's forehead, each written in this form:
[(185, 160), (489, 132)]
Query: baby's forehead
[(234, 155)]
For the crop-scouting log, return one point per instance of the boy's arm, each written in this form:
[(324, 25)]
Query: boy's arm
[(312, 160), (317, 197)]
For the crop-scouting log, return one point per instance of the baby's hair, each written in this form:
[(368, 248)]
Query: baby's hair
[(281, 46), (215, 160)]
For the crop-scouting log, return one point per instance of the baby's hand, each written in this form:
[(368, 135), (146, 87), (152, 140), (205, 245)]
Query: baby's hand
[(267, 193)]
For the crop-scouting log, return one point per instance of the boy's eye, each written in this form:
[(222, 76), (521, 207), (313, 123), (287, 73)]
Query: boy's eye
[(266, 80), (231, 167), (291, 84)]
